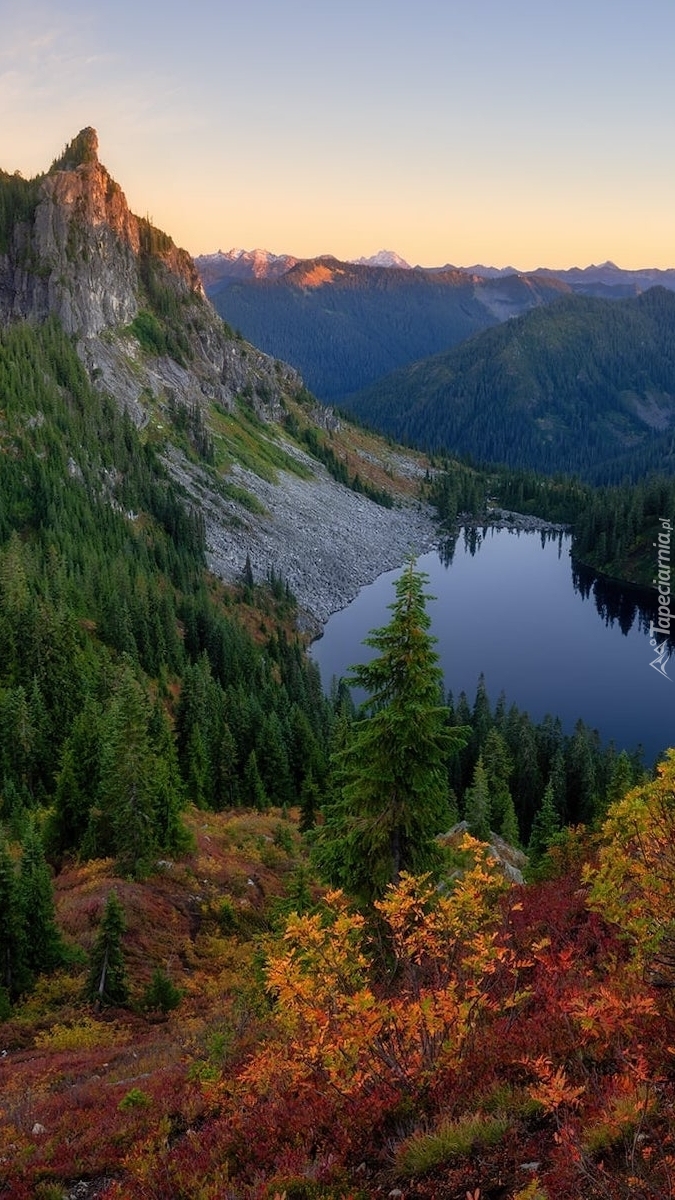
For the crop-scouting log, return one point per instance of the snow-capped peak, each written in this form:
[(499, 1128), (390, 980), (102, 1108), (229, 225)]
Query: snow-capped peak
[(383, 258)]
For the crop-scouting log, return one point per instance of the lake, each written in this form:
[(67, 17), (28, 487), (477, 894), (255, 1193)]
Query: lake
[(556, 641)]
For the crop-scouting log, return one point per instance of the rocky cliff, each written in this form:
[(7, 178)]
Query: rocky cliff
[(70, 248)]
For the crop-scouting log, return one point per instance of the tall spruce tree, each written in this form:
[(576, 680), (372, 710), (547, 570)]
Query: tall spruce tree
[(44, 945), (544, 827), (390, 783), (477, 804), (14, 971), (127, 785), (107, 980)]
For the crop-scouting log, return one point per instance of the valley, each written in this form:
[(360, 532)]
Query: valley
[(257, 943)]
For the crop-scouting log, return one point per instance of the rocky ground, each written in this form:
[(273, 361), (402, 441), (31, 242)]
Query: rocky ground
[(327, 542), (504, 518)]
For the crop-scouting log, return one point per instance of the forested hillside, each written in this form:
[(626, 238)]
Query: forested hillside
[(344, 325), (113, 639), (583, 386)]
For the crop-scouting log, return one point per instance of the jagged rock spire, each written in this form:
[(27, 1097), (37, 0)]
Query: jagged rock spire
[(82, 149)]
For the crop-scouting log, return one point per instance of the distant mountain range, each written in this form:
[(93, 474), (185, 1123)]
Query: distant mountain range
[(584, 385), (345, 325)]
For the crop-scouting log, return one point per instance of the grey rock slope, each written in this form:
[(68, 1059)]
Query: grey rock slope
[(144, 329)]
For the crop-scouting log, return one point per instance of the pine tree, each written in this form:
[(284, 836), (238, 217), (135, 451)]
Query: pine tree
[(161, 995), (167, 787), (44, 946), (621, 780), (390, 786), (273, 761), (227, 777), (477, 804), (126, 789), (14, 972), (252, 787), (107, 980), (544, 827), (309, 802), (498, 768), (76, 783), (508, 827)]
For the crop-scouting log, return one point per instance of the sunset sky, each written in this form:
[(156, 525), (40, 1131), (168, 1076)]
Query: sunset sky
[(527, 133)]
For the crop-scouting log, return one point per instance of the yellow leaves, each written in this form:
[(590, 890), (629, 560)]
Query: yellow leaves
[(83, 1034), (634, 883), (331, 1020), (552, 1088), (442, 930)]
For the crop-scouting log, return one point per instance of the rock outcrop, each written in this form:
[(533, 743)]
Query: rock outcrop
[(70, 248), (511, 860)]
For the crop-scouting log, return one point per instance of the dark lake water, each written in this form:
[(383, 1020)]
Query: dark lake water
[(554, 640)]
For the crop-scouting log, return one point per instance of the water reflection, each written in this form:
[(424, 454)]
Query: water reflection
[(617, 604), (521, 614)]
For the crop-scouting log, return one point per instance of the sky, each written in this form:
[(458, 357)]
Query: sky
[(504, 132)]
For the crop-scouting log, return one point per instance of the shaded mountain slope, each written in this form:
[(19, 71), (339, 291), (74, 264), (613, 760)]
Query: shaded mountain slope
[(584, 385), (343, 325)]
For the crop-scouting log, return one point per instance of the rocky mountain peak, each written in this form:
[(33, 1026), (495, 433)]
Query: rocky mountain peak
[(75, 250), (82, 150), (70, 248)]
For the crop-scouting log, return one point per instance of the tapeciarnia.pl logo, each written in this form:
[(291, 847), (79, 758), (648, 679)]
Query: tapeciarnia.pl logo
[(662, 581)]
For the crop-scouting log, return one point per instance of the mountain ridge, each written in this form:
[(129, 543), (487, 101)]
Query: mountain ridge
[(585, 385), (135, 306), (343, 325)]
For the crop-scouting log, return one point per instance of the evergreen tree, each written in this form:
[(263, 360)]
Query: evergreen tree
[(127, 788), (498, 768), (14, 971), (582, 775), (621, 780), (273, 761), (508, 827), (481, 716), (477, 804), (76, 783), (44, 946), (390, 781), (252, 787), (544, 827), (227, 775), (309, 802), (161, 995), (107, 980), (167, 787)]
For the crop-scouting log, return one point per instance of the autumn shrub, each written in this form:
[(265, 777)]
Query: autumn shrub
[(624, 1113), (44, 1190), (54, 991), (533, 1191), (634, 882), (83, 1034), (451, 1140), (298, 1187)]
